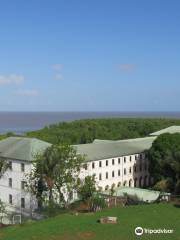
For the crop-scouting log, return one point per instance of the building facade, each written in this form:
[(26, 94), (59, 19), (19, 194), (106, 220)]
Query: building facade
[(114, 164)]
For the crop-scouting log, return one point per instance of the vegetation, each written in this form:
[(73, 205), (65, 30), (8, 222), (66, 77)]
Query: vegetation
[(8, 134), (85, 226), (4, 165), (56, 169), (2, 210), (85, 131), (88, 194), (87, 188), (164, 157)]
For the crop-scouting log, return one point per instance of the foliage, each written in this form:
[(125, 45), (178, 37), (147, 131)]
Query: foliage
[(85, 131), (177, 187), (3, 166), (51, 210), (97, 202), (2, 210), (112, 190), (165, 185), (8, 134), (87, 188), (164, 157), (55, 171)]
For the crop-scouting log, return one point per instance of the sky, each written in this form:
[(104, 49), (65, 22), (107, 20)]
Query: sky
[(89, 55)]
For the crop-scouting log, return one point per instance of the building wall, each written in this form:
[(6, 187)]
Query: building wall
[(17, 176), (138, 176), (129, 171)]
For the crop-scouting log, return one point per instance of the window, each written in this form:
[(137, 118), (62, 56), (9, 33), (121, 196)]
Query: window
[(119, 173), (22, 167), (112, 161), (145, 166), (141, 156), (10, 199), (22, 202), (135, 169), (106, 175), (93, 165), (106, 162), (130, 170), (112, 173), (119, 160), (130, 159), (100, 164), (140, 167), (23, 184), (124, 171), (119, 184), (100, 176), (124, 159), (10, 165), (136, 157), (10, 182)]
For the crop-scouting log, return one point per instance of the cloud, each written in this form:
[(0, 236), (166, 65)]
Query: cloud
[(126, 67), (57, 67), (58, 76), (27, 92), (11, 79)]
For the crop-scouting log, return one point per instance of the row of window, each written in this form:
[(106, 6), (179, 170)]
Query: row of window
[(113, 174), (141, 182), (119, 161), (23, 184), (125, 172), (22, 166), (141, 167), (22, 201)]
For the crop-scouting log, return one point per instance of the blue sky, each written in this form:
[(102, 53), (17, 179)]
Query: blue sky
[(93, 55)]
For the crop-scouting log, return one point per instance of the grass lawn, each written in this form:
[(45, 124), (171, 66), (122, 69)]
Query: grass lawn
[(85, 226)]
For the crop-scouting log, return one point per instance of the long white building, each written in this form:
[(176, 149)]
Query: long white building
[(114, 163)]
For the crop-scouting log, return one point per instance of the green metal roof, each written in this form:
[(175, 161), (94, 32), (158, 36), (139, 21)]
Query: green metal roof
[(142, 194), (21, 148), (172, 129), (25, 148), (124, 140), (109, 149)]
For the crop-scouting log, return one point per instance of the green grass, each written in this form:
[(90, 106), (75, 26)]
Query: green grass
[(85, 226)]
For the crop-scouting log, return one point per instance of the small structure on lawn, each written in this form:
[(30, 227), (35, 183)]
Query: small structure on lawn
[(137, 195), (108, 220)]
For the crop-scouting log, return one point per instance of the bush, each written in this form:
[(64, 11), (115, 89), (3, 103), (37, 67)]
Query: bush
[(177, 187), (165, 185), (97, 203)]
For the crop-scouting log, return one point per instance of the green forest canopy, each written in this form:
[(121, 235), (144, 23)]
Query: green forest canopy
[(164, 157), (85, 131)]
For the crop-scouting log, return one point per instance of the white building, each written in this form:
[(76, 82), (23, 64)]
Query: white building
[(117, 163)]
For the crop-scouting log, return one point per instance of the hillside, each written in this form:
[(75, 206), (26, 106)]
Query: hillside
[(85, 226)]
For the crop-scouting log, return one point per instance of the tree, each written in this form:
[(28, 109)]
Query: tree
[(4, 165), (2, 210), (164, 157), (56, 171), (86, 189)]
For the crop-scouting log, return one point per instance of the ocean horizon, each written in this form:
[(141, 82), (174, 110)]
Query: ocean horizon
[(22, 122)]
